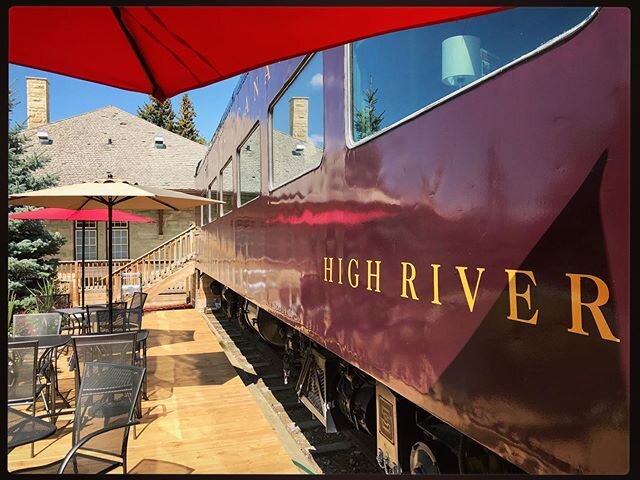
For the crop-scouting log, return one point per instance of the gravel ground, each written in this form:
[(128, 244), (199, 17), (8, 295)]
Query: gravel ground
[(350, 460)]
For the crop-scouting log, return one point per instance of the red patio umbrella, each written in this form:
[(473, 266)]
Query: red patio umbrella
[(93, 214), (165, 51)]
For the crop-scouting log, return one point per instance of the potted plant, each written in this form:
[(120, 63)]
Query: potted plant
[(48, 289)]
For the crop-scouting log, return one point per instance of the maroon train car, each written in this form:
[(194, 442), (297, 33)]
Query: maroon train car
[(433, 225)]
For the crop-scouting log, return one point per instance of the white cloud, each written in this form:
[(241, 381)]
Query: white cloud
[(316, 139), (316, 81)]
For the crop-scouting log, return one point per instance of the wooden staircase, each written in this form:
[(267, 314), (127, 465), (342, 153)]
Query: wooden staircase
[(162, 267)]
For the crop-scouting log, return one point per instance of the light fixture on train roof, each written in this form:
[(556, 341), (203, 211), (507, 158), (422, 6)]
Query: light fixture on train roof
[(461, 60)]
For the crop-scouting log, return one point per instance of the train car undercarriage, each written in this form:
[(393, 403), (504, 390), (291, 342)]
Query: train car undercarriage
[(407, 438)]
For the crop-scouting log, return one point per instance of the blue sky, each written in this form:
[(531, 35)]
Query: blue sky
[(69, 97)]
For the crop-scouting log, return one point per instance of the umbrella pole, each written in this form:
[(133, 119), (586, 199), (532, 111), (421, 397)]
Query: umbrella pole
[(110, 244), (83, 239)]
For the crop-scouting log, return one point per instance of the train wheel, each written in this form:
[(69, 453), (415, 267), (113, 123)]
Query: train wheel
[(423, 460), (475, 458)]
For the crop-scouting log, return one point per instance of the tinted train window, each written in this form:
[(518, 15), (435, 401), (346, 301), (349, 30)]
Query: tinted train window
[(213, 193), (297, 125), (395, 75), (249, 167), (226, 176)]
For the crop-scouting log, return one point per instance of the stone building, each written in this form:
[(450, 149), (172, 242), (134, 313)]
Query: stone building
[(87, 146)]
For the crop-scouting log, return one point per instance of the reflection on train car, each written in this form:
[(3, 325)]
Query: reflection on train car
[(431, 226)]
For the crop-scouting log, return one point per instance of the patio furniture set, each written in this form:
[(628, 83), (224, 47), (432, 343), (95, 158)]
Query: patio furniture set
[(109, 363)]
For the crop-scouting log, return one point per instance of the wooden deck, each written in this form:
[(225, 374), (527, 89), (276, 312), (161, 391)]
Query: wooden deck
[(99, 295), (199, 418)]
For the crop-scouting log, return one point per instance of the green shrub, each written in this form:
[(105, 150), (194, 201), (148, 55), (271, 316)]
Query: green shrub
[(11, 304)]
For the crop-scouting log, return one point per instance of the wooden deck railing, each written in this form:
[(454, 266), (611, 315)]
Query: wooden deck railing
[(161, 261), (95, 271), (154, 265)]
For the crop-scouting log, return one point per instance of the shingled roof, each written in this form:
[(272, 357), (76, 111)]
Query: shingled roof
[(87, 146)]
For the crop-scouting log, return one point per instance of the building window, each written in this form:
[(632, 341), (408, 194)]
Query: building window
[(249, 168), (90, 240), (398, 74), (297, 125), (212, 192), (120, 235), (226, 176)]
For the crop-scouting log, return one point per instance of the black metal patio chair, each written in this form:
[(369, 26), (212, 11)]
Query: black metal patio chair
[(136, 310), (123, 320), (104, 413), (137, 300), (48, 303), (134, 324), (36, 324), (23, 385), (114, 322), (99, 322), (134, 318), (116, 348), (90, 315)]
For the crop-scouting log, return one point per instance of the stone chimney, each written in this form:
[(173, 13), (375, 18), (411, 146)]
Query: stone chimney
[(299, 118), (37, 102)]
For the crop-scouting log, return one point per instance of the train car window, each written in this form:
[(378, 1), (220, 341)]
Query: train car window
[(297, 125), (398, 74), (212, 192), (207, 216), (249, 168), (226, 179)]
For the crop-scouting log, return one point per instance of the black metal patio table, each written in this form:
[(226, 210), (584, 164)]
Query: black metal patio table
[(46, 343), (72, 312), (23, 428)]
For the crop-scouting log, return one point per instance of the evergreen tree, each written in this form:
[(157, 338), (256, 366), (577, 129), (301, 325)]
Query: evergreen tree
[(186, 125), (367, 121), (158, 113), (28, 241), (149, 111)]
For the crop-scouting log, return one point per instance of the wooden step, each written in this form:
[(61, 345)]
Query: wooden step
[(181, 274)]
